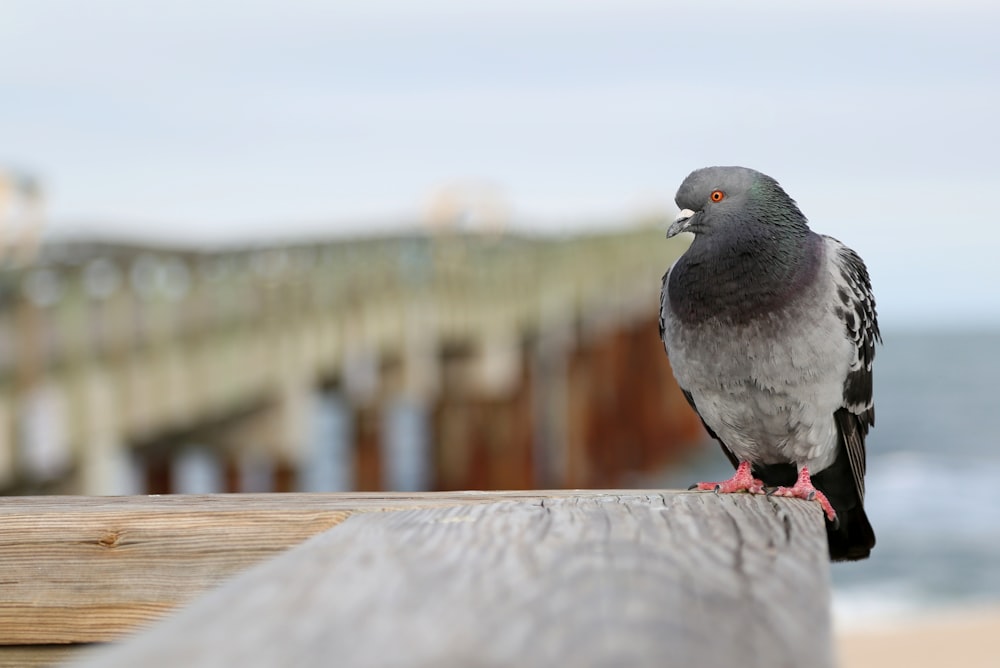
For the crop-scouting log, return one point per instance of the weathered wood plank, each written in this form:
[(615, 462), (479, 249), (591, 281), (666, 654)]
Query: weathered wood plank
[(89, 573), (88, 569), (592, 580), (38, 656)]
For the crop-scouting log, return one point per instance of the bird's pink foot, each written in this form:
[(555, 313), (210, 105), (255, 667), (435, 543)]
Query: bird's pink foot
[(803, 489), (742, 481)]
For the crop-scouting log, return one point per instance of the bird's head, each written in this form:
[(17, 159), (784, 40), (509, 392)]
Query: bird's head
[(714, 199)]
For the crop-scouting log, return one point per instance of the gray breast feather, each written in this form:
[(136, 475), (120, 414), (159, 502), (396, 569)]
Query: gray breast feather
[(769, 387)]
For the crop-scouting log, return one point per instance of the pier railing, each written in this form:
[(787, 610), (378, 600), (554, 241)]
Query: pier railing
[(107, 351), (601, 578)]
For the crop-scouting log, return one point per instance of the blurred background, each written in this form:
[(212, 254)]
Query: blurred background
[(271, 246)]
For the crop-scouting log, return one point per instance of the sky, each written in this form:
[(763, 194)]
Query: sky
[(210, 121)]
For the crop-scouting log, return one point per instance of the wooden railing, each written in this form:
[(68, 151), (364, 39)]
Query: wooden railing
[(602, 578)]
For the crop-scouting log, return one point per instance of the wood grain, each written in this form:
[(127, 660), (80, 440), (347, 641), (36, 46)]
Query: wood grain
[(38, 656), (588, 580), (88, 569)]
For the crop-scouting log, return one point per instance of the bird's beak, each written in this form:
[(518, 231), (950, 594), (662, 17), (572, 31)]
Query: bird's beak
[(681, 223)]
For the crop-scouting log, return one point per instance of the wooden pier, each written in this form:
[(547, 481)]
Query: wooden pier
[(598, 578), (526, 361)]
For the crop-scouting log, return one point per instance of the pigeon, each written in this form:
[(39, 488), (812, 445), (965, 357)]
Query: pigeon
[(770, 329)]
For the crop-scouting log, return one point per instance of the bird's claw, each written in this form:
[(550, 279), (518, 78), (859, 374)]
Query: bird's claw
[(706, 487), (803, 489), (742, 481)]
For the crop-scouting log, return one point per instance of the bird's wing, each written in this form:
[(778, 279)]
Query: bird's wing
[(856, 308), (664, 306), (734, 460)]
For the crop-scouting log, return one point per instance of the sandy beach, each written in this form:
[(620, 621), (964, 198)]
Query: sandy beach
[(967, 638)]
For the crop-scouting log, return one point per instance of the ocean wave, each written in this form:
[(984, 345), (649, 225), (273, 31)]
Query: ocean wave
[(911, 492)]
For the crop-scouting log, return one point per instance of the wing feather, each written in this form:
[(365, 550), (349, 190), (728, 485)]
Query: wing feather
[(856, 309)]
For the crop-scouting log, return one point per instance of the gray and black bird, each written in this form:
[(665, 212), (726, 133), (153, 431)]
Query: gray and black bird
[(771, 332)]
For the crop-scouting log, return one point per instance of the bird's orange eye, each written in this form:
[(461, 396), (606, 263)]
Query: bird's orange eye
[(717, 195)]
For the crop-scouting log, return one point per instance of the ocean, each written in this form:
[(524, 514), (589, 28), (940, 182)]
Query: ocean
[(933, 482)]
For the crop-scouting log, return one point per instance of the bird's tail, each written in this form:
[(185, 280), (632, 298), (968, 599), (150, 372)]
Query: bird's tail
[(852, 537)]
